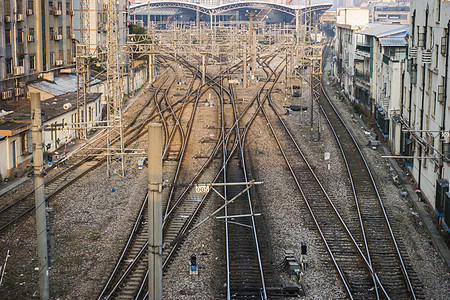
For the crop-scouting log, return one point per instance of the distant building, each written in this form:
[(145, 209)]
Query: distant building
[(98, 19), (35, 37), (425, 108), (349, 21)]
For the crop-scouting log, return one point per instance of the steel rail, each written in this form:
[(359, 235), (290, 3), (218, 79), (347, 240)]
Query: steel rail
[(137, 223), (243, 163), (399, 256)]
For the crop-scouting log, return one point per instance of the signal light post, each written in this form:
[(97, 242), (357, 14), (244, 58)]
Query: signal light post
[(194, 268)]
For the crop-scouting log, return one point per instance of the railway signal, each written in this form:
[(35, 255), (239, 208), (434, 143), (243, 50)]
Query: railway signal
[(193, 269)]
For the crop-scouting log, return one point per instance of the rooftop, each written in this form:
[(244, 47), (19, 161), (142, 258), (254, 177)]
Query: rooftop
[(20, 118), (383, 30)]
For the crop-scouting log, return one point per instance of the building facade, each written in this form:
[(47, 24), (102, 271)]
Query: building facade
[(425, 110), (35, 37), (98, 19), (378, 76), (349, 21)]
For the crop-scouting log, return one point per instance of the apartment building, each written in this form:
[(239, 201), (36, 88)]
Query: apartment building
[(349, 21), (379, 65), (36, 37), (98, 19), (425, 110)]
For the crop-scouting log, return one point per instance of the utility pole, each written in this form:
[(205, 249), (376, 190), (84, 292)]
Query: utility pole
[(203, 54), (251, 14), (155, 211), (39, 192), (245, 63), (150, 68)]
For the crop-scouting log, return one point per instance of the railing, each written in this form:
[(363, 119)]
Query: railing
[(362, 75)]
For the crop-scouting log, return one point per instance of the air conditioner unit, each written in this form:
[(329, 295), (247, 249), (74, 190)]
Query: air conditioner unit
[(19, 17), (412, 52), (74, 59), (56, 12), (57, 37), (29, 12), (19, 70), (7, 19), (426, 56), (30, 38), (59, 62), (71, 12), (6, 95), (72, 36)]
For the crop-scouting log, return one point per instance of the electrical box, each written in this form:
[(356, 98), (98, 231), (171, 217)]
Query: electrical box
[(386, 126), (441, 189), (447, 211)]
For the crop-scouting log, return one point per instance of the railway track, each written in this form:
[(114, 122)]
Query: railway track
[(349, 245), (181, 213), (388, 255), (91, 160)]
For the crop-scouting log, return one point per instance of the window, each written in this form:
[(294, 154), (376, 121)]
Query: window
[(61, 55), (32, 62), (9, 66), (436, 56), (68, 31), (60, 30), (30, 4), (67, 8), (50, 32), (8, 36), (52, 58), (60, 6), (50, 7), (433, 104), (74, 119), (26, 142), (20, 36)]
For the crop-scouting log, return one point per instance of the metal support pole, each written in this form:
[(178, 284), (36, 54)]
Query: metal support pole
[(203, 67), (155, 211), (150, 68), (41, 221), (297, 27), (245, 64)]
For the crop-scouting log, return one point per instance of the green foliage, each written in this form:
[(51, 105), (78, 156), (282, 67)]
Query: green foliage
[(136, 29)]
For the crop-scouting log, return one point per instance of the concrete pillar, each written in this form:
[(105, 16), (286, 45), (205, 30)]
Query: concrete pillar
[(203, 67), (155, 211), (150, 68), (39, 192)]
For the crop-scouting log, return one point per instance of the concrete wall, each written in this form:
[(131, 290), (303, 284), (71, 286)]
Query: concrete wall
[(352, 16), (427, 112)]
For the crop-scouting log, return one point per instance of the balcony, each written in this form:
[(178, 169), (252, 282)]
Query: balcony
[(364, 76), (363, 48)]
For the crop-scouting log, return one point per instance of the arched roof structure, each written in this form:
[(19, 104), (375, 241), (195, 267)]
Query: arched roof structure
[(214, 10)]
